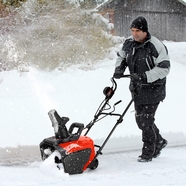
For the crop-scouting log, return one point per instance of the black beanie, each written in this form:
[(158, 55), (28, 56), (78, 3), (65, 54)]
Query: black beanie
[(140, 23)]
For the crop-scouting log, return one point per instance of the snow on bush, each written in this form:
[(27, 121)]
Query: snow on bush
[(54, 34)]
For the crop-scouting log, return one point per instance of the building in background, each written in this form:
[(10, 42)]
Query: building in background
[(166, 18)]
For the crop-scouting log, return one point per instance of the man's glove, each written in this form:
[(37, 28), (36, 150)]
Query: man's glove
[(118, 72), (139, 77)]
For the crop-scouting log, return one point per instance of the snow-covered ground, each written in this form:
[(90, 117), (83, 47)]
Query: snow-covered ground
[(26, 99), (119, 169)]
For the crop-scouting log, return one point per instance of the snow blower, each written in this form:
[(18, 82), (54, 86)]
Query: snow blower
[(77, 150)]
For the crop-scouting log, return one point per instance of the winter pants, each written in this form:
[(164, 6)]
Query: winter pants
[(145, 121)]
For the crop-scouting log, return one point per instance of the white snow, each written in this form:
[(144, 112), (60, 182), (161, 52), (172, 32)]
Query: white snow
[(120, 169), (26, 98)]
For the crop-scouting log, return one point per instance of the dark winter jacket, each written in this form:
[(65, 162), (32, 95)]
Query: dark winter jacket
[(151, 58)]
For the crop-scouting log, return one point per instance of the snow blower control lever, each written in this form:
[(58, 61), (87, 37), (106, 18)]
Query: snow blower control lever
[(77, 150), (108, 92)]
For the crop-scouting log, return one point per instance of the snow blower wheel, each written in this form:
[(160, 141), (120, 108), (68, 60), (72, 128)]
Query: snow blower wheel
[(94, 164)]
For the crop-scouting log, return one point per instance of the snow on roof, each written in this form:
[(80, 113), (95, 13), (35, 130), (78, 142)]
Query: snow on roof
[(183, 2), (109, 1)]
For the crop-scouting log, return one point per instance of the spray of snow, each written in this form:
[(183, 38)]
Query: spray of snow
[(50, 168)]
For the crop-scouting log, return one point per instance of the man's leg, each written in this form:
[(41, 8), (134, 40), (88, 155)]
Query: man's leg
[(150, 133)]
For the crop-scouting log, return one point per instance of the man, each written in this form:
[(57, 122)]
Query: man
[(148, 62)]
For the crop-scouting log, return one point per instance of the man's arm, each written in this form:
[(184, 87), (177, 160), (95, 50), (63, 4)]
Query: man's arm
[(162, 63), (120, 65), (121, 57)]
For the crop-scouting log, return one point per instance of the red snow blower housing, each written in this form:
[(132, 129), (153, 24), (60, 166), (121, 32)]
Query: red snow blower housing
[(78, 151)]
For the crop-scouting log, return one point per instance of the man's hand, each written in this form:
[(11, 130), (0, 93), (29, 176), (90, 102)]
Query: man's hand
[(139, 77), (118, 72)]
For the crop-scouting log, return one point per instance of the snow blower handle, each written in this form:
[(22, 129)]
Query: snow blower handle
[(109, 91), (125, 76), (76, 126)]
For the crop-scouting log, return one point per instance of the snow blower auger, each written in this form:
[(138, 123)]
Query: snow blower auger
[(77, 150)]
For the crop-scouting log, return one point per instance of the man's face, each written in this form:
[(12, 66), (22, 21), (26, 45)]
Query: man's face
[(138, 35)]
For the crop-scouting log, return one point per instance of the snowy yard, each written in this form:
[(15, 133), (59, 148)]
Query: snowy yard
[(26, 99)]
